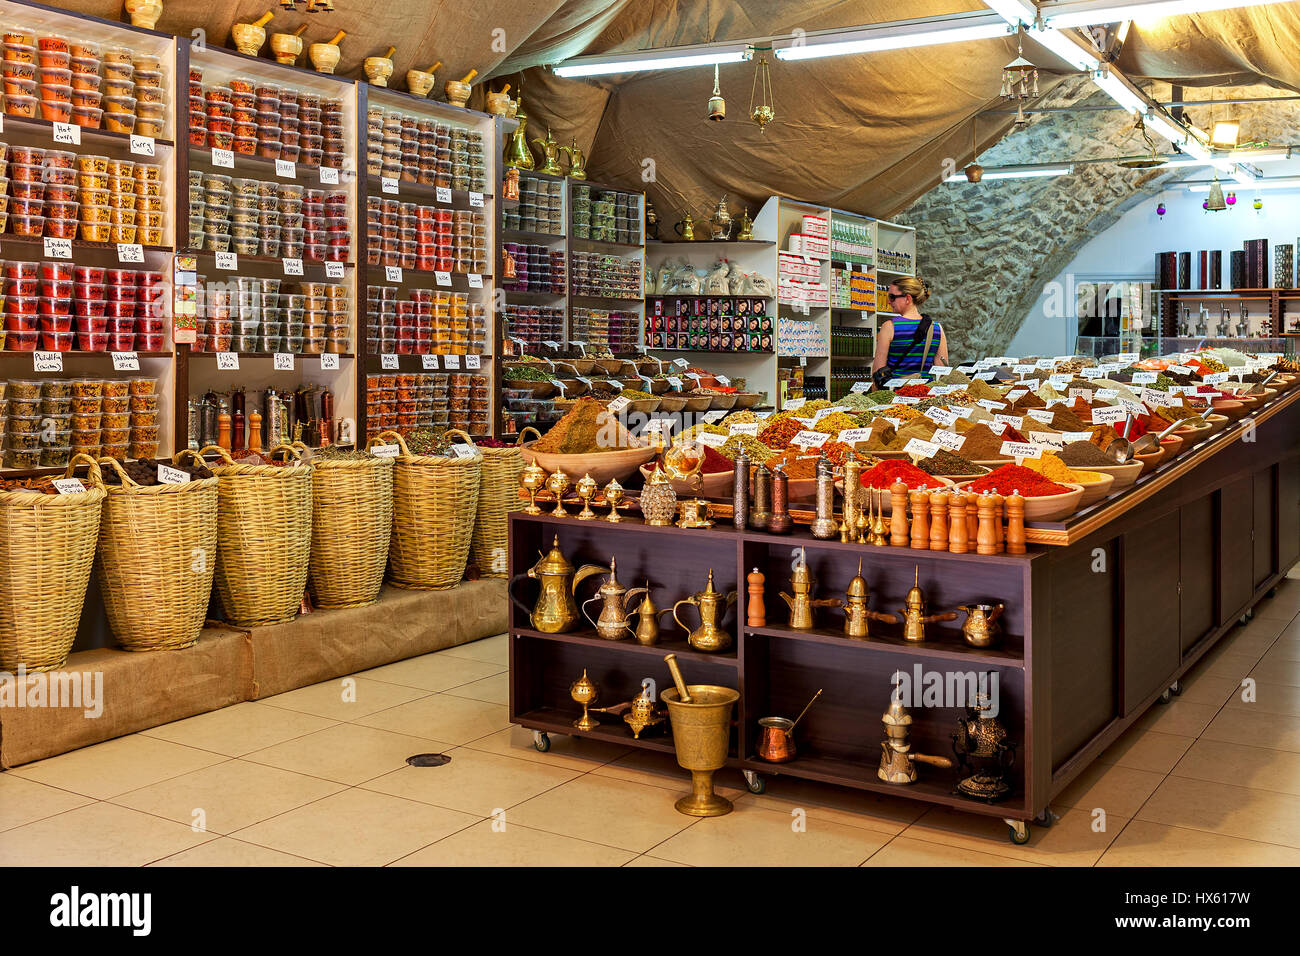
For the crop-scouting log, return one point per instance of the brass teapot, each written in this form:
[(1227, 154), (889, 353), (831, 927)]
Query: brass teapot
[(801, 603), (576, 160), (746, 232), (614, 616), (720, 222), (647, 625), (857, 613), (518, 154), (556, 610), (914, 617), (981, 624), (685, 228), (712, 605), (550, 152)]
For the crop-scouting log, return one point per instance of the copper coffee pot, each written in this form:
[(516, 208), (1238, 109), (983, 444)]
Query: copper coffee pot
[(776, 736)]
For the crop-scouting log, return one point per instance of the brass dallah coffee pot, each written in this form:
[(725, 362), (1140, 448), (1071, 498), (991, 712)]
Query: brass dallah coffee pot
[(550, 153), (857, 615), (517, 152), (801, 603), (614, 617), (647, 625), (897, 762), (914, 616), (556, 610), (712, 605)]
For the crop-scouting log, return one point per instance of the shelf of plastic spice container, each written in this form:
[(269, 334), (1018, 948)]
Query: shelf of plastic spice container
[(201, 157), (460, 198), (318, 264), (37, 126)]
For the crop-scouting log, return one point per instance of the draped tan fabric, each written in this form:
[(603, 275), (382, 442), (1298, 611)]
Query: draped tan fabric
[(865, 133)]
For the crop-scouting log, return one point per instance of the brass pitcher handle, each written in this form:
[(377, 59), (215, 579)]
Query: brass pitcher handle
[(690, 600), (996, 612), (586, 571), (732, 598), (510, 590), (584, 609)]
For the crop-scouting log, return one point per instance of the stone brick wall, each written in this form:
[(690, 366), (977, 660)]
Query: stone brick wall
[(988, 249)]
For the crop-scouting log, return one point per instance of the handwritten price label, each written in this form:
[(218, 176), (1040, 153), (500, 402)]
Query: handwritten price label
[(386, 451), (142, 145), (429, 362), (329, 176), (476, 200), (942, 416), (476, 281), (791, 404), (618, 404), (1083, 393), (228, 261), (333, 270), (442, 278), (58, 248), (128, 252), (711, 439), (126, 362), (228, 361), (451, 361), (68, 486), (717, 416), (224, 158), (1042, 415), (807, 439), (172, 476), (1109, 416), (292, 267), (283, 361), (1015, 421), (47, 361), (1076, 436), (921, 449), (388, 361), (329, 362), (473, 361), (860, 387), (443, 195), (949, 440), (746, 428), (1127, 358), (393, 273), (388, 185), (67, 133), (286, 169), (1022, 449), (1047, 440), (1144, 378)]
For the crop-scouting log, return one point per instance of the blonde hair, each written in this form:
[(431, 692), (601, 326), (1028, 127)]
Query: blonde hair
[(914, 286)]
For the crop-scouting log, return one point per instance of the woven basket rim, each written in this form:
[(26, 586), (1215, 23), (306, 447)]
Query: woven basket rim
[(196, 484), (32, 498), (409, 459)]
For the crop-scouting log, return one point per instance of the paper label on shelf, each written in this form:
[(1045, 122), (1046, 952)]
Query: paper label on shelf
[(475, 280), (1181, 370), (618, 404), (723, 381), (142, 145), (1045, 363), (715, 416), (807, 439), (228, 361), (463, 451), (1106, 393), (941, 416), (172, 476), (67, 133), (292, 267), (744, 428), (949, 440), (1024, 369), (803, 361), (1015, 393), (1083, 393), (128, 252), (283, 361), (1160, 399), (1015, 421), (895, 382), (791, 404), (1127, 358), (393, 273), (442, 194), (1071, 437), (329, 176), (473, 361), (224, 158), (476, 200), (711, 439), (388, 185), (1042, 415), (228, 261), (388, 361), (991, 405), (1214, 378), (1022, 449), (1109, 416), (329, 362), (126, 362), (922, 449), (68, 486), (1144, 378), (47, 361), (286, 169), (961, 411), (58, 248), (386, 451), (1057, 381), (442, 278), (333, 270), (940, 370), (1047, 440), (451, 361), (860, 387), (681, 363), (985, 376), (1134, 408), (429, 362)]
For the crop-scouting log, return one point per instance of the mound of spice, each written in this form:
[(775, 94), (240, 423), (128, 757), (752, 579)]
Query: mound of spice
[(754, 449), (1016, 479), (982, 444), (1052, 467), (885, 474), (633, 395), (913, 391), (1083, 454), (1067, 421), (778, 434), (949, 464), (796, 463), (585, 428)]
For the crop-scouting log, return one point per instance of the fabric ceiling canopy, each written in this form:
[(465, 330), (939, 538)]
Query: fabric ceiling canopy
[(866, 133)]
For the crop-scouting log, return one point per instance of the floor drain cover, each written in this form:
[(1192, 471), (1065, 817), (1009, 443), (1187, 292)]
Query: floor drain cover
[(428, 760)]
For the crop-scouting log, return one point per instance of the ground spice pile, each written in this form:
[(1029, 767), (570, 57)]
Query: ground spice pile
[(886, 473), (1016, 479)]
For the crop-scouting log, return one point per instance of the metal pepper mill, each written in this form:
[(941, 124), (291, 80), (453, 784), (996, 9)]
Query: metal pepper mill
[(740, 493), (780, 522), (758, 518), (823, 526)]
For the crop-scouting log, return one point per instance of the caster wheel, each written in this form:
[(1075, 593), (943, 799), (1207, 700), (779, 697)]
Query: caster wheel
[(1243, 619), (1166, 697), (1176, 688), (1019, 835), (754, 782), (542, 742), (1045, 819)]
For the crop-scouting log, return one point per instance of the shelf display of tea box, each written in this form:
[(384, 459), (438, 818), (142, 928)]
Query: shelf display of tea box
[(708, 323)]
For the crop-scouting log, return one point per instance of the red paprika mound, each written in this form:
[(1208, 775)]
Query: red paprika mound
[(913, 391), (887, 472), (1016, 479)]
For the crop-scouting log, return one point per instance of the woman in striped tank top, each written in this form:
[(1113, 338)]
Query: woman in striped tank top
[(908, 341)]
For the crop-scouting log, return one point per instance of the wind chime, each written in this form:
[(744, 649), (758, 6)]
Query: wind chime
[(1020, 81), (309, 6), (761, 110)]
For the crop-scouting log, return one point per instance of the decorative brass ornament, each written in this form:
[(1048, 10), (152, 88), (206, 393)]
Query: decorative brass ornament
[(549, 150), (761, 110), (586, 489), (584, 692), (700, 715), (717, 105), (712, 605), (533, 480), (1019, 77)]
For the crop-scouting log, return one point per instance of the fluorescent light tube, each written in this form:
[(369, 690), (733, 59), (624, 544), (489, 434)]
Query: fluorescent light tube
[(1060, 16), (665, 58), (1123, 94), (1065, 48), (1016, 172), (1287, 182), (931, 31)]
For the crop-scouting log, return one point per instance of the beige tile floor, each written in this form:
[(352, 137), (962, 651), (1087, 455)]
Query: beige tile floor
[(319, 776)]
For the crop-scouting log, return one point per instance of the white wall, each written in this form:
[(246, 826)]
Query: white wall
[(1127, 250)]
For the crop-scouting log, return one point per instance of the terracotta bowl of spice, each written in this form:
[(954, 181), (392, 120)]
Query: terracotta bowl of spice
[(1125, 475), (1228, 407), (619, 464), (1151, 459), (1217, 423)]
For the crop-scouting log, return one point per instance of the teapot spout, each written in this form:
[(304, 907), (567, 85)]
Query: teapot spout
[(786, 598)]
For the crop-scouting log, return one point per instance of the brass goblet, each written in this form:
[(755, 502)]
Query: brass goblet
[(586, 488), (614, 495), (557, 485), (584, 692), (533, 480)]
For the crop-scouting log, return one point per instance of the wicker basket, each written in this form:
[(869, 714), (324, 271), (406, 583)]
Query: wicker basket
[(47, 548), (351, 525), (498, 495), (157, 554), (435, 502), (263, 538)]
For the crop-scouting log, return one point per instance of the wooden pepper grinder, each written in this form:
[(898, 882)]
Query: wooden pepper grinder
[(898, 515), (999, 515), (957, 538), (255, 431), (780, 522), (986, 535), (755, 609), (972, 521), (223, 427), (920, 519), (939, 521), (1015, 524)]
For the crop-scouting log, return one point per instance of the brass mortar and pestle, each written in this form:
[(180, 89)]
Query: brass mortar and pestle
[(325, 56), (379, 68), (458, 90), (700, 717), (420, 82), (287, 47), (776, 736)]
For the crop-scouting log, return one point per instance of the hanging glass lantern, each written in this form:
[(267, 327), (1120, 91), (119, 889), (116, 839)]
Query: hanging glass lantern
[(761, 110), (1161, 210), (1231, 200)]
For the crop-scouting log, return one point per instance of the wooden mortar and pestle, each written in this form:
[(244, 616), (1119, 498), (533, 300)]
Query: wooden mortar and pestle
[(379, 68), (458, 90), (499, 103), (325, 56), (249, 37), (287, 47), (420, 82)]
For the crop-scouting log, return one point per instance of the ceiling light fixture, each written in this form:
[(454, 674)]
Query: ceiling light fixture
[(668, 58), (1015, 172), (1083, 13), (1285, 182), (899, 35), (1225, 134)]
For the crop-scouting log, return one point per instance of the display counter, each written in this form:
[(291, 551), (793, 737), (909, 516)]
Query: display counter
[(1097, 627)]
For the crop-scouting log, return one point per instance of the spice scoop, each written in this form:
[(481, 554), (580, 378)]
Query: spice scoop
[(1149, 443)]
